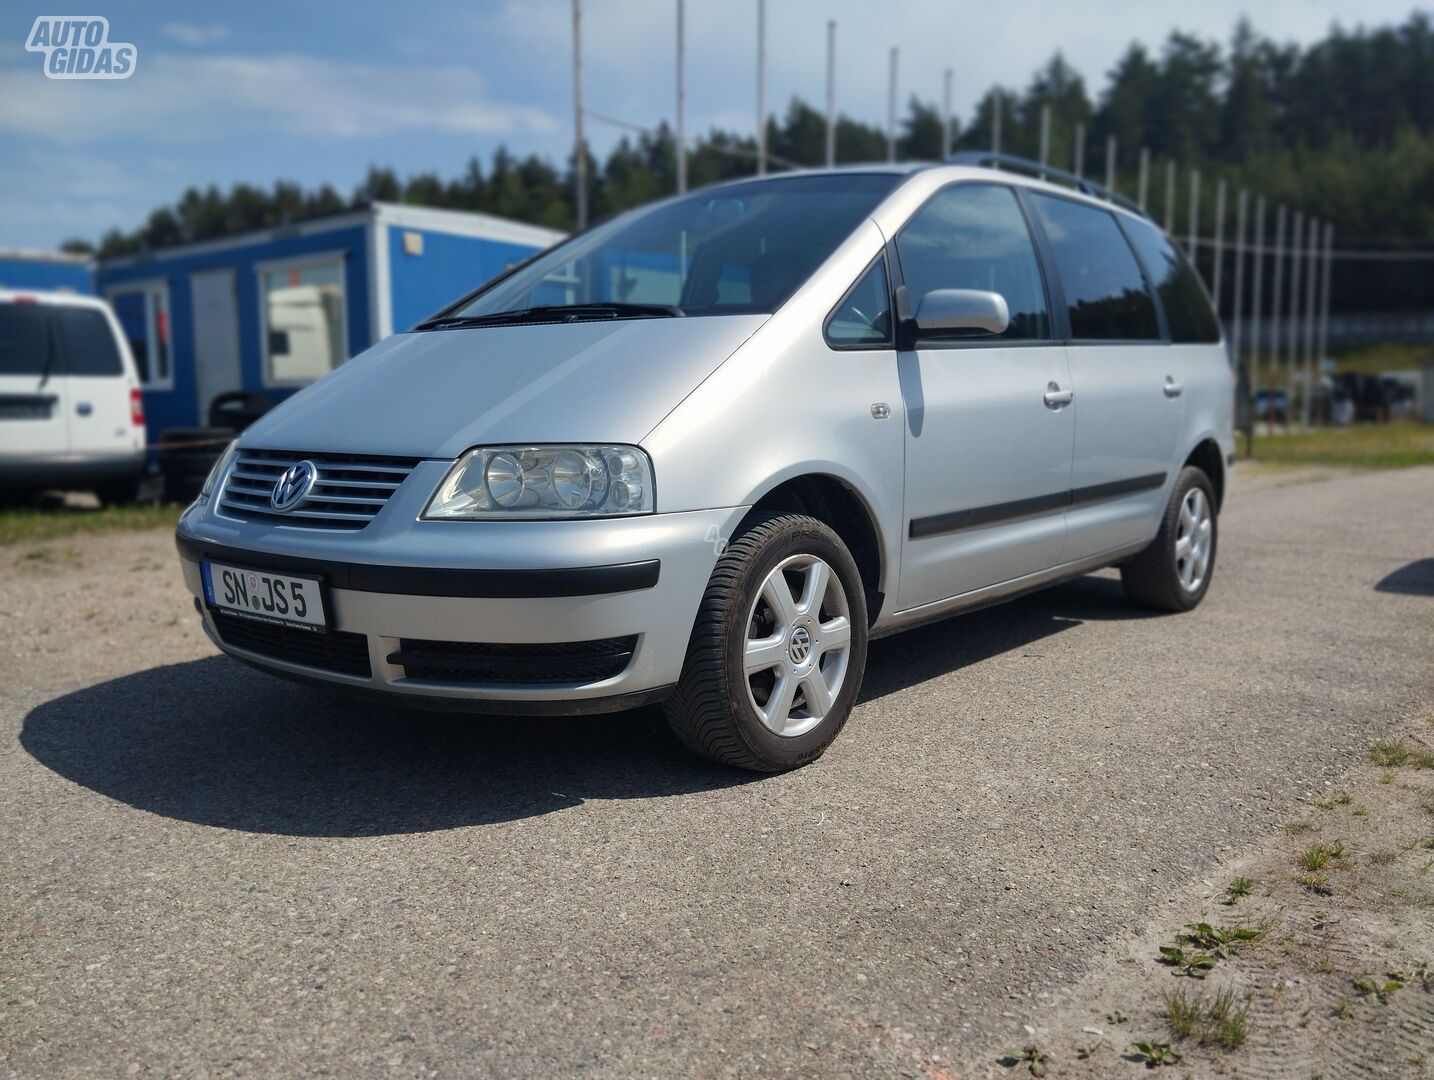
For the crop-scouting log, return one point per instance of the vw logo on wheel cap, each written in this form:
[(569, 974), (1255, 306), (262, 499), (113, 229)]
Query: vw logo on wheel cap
[(801, 646), (293, 485)]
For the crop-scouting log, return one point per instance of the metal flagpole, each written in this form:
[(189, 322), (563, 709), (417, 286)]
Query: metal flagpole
[(1110, 163), (1045, 138), (891, 110), (681, 107), (580, 156), (1277, 298), (1238, 300), (1256, 296), (1170, 196), (946, 116), (1312, 254), (1194, 217), (761, 87), (1218, 249), (831, 93), (1292, 336), (1142, 188), (1324, 293)]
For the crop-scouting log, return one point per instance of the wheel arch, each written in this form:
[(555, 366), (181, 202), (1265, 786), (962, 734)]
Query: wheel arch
[(1210, 459), (839, 505)]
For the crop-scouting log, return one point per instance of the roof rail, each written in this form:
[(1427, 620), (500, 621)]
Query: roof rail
[(1015, 163)]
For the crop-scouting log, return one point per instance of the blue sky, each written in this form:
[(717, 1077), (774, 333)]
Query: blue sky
[(315, 92)]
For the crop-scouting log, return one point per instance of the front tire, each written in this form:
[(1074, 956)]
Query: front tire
[(1174, 572), (778, 650)]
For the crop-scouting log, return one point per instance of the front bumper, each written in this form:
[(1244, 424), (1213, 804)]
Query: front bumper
[(402, 581)]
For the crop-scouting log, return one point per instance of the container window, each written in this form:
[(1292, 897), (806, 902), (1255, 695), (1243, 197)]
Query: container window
[(143, 313), (303, 309)]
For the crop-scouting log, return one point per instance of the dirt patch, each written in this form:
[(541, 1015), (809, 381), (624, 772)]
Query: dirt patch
[(1312, 957), (91, 607)]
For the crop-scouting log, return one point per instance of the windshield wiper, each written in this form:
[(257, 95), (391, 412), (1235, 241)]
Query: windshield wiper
[(612, 309)]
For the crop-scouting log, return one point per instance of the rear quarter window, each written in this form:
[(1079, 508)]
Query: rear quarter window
[(86, 342), (24, 339), (1187, 309), (1107, 298)]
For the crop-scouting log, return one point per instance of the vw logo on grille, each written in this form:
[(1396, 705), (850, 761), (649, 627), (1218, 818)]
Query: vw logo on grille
[(293, 485), (801, 646)]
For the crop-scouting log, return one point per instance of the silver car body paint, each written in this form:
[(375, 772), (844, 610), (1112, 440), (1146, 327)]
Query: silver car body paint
[(729, 408)]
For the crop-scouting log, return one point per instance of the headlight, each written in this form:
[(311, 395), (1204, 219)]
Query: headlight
[(220, 468), (545, 482)]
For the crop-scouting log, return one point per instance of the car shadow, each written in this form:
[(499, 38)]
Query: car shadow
[(213, 742), (1412, 579)]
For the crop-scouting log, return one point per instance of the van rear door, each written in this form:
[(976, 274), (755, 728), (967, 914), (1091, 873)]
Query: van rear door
[(103, 412), (34, 392)]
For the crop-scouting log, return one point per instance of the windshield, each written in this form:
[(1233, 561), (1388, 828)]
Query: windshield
[(732, 250)]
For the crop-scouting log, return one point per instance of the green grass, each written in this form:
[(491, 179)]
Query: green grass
[(1396, 445), (1217, 1020), (26, 524)]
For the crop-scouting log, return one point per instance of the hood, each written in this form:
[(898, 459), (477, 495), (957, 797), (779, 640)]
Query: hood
[(440, 392)]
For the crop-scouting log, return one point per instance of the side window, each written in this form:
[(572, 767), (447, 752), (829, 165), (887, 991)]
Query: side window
[(864, 315), (25, 342), (1186, 308), (974, 236), (86, 342), (1106, 293)]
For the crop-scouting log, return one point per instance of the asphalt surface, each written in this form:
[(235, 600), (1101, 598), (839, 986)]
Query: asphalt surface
[(206, 871)]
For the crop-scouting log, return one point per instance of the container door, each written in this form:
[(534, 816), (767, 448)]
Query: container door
[(217, 368)]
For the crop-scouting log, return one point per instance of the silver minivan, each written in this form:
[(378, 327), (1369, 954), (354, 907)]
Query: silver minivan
[(703, 453)]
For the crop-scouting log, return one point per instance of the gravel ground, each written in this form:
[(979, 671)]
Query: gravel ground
[(206, 871)]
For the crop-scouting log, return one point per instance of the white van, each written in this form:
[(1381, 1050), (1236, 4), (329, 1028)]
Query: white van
[(71, 415)]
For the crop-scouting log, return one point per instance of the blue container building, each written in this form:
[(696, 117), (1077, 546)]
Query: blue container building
[(46, 271), (271, 311)]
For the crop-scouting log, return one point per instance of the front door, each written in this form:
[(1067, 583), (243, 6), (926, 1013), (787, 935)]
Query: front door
[(989, 430), (216, 337)]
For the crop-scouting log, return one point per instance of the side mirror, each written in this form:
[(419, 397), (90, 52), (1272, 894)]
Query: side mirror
[(951, 311)]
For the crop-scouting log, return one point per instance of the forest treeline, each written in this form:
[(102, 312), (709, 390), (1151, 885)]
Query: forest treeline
[(1342, 129)]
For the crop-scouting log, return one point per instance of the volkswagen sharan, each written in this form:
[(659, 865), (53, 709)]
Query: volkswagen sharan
[(703, 453)]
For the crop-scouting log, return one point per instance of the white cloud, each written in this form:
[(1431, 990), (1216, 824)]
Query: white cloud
[(195, 35), (193, 98)]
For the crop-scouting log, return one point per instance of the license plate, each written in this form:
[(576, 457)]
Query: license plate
[(286, 599)]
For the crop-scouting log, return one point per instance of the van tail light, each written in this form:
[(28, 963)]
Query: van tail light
[(136, 408)]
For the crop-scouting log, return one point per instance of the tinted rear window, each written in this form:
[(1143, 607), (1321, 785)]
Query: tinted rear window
[(24, 339), (86, 342), (1186, 308), (1106, 294)]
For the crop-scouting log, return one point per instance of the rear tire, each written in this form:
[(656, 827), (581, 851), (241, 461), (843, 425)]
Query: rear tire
[(771, 675), (119, 492), (1174, 572)]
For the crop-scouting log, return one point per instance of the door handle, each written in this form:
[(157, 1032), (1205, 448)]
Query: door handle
[(1055, 397), (1173, 389), (84, 408)]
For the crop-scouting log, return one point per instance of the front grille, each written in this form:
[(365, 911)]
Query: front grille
[(348, 494), (337, 651), (476, 662)]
